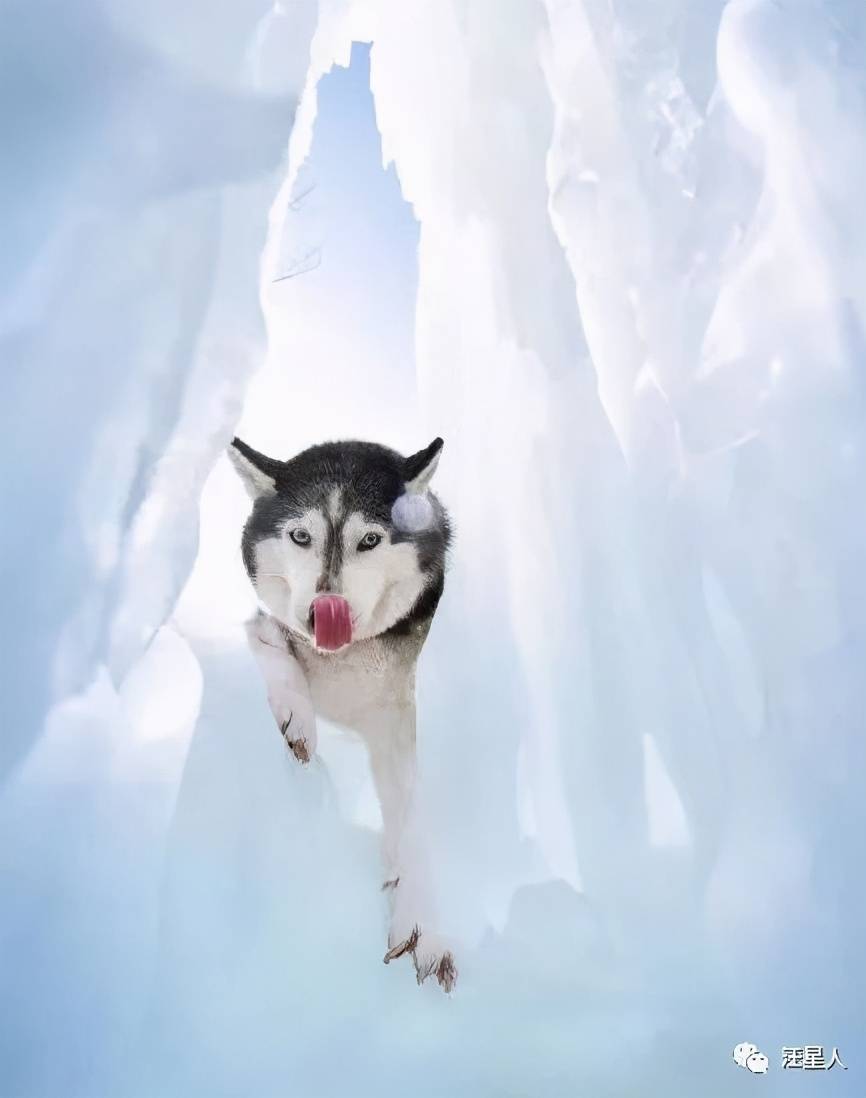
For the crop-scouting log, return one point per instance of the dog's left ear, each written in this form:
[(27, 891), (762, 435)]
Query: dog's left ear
[(420, 467), (259, 473)]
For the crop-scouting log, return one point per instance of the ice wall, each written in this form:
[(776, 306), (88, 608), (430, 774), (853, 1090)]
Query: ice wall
[(639, 327), (142, 149), (136, 203), (644, 282)]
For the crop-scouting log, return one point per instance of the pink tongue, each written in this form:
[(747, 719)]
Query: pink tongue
[(333, 621)]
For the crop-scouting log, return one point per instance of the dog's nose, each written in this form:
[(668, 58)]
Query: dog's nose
[(328, 583)]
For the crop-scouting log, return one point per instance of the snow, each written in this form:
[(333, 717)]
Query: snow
[(637, 320)]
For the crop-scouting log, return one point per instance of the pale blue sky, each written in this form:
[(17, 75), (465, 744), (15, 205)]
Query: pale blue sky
[(370, 232), (341, 361), (356, 214)]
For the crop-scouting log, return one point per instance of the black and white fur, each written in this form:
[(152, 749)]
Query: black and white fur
[(343, 518)]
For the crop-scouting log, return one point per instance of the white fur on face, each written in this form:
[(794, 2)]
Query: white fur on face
[(334, 500), (381, 584)]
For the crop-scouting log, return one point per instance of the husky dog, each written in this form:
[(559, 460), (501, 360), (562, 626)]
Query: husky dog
[(345, 547)]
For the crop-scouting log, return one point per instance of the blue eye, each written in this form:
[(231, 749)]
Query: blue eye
[(300, 536), (369, 541)]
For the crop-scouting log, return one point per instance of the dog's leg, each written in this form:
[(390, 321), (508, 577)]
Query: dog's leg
[(392, 759), (288, 691)]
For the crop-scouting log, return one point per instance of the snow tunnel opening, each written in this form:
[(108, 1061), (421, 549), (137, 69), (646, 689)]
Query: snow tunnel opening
[(341, 303), (339, 363)]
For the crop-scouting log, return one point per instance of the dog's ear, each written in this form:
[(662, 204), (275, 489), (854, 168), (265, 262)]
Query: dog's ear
[(258, 472), (420, 467)]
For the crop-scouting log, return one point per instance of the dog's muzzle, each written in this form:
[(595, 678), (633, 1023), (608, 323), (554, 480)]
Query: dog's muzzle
[(331, 622)]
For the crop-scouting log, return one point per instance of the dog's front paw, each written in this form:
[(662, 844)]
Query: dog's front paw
[(402, 947), (300, 737), (429, 956), (433, 958), (296, 741)]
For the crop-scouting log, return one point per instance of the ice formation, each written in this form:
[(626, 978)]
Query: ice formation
[(640, 328)]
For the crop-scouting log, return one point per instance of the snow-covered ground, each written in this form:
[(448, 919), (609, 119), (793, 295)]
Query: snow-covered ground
[(618, 261)]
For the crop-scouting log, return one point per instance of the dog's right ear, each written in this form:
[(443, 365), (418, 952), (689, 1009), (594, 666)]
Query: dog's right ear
[(258, 472), (420, 467)]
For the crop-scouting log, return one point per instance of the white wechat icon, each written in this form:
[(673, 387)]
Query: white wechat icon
[(743, 1052), (747, 1056), (757, 1063)]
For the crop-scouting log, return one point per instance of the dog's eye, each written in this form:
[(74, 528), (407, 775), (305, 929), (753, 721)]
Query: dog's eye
[(300, 536), (369, 541)]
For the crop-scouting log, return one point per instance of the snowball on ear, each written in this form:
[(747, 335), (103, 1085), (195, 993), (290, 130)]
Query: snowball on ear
[(412, 513)]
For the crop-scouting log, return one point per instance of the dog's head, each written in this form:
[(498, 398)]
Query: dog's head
[(345, 541)]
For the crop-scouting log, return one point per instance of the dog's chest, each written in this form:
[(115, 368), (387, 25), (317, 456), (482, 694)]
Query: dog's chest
[(353, 687)]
